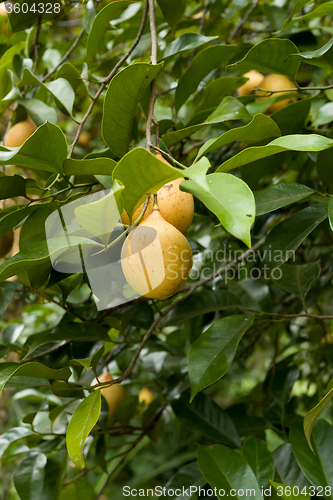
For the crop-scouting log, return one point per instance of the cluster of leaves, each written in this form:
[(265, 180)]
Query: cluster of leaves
[(257, 342)]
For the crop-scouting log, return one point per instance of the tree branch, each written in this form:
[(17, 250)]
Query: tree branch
[(150, 117)]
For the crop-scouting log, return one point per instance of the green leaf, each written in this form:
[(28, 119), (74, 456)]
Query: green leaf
[(54, 475), (201, 303), (100, 217), (320, 11), (91, 361), (45, 150), (229, 109), (292, 118), (95, 166), (285, 491), (12, 436), (316, 465), (185, 477), (259, 459), (299, 279), (330, 212), (82, 422), (172, 10), (298, 5), (29, 476), (33, 369), (185, 41), (269, 56), (39, 254), (39, 111), (7, 294), (213, 352), (121, 101), (67, 331), (230, 199), (206, 417), (284, 239), (322, 57), (60, 89), (225, 469), (12, 216), (287, 467), (324, 115), (311, 417), (11, 186), (203, 63), (281, 195), (215, 91), (261, 128), (100, 26), (140, 172), (295, 142)]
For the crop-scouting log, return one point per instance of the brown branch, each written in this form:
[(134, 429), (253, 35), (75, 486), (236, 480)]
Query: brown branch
[(68, 53), (242, 21), (150, 117), (110, 76)]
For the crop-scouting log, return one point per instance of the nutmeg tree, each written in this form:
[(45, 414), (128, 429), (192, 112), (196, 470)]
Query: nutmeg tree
[(166, 249)]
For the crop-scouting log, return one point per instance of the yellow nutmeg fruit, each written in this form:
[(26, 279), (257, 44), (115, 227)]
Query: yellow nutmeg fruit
[(176, 206), (156, 258), (277, 82), (19, 133), (254, 80), (113, 395), (145, 397), (6, 243), (3, 11)]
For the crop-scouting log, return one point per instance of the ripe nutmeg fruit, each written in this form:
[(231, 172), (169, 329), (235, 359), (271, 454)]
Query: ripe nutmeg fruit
[(156, 258), (19, 133), (254, 80), (113, 395), (277, 82)]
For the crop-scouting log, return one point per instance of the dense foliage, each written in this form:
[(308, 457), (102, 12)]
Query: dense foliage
[(238, 363)]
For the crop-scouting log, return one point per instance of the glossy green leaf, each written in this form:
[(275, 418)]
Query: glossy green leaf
[(215, 91), (172, 10), (324, 115), (311, 417), (229, 109), (225, 469), (320, 11), (201, 303), (281, 195), (100, 25), (283, 241), (82, 422), (45, 150), (230, 199), (11, 186), (121, 102), (67, 331), (298, 5), (261, 128), (140, 172), (39, 112), (269, 56), (285, 491), (39, 254), (54, 474), (186, 476), (206, 417), (185, 41), (33, 369), (259, 459), (203, 63), (77, 490), (295, 142), (330, 212), (94, 166), (213, 352), (100, 217), (292, 118), (11, 436), (7, 294), (60, 89), (322, 57), (298, 279), (316, 465), (11, 216), (92, 361), (29, 476), (287, 467)]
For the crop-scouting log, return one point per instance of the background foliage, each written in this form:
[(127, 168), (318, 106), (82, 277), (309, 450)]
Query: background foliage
[(252, 355)]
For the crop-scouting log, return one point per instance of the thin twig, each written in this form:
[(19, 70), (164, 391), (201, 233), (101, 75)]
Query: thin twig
[(150, 117), (242, 21), (110, 76), (64, 58)]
